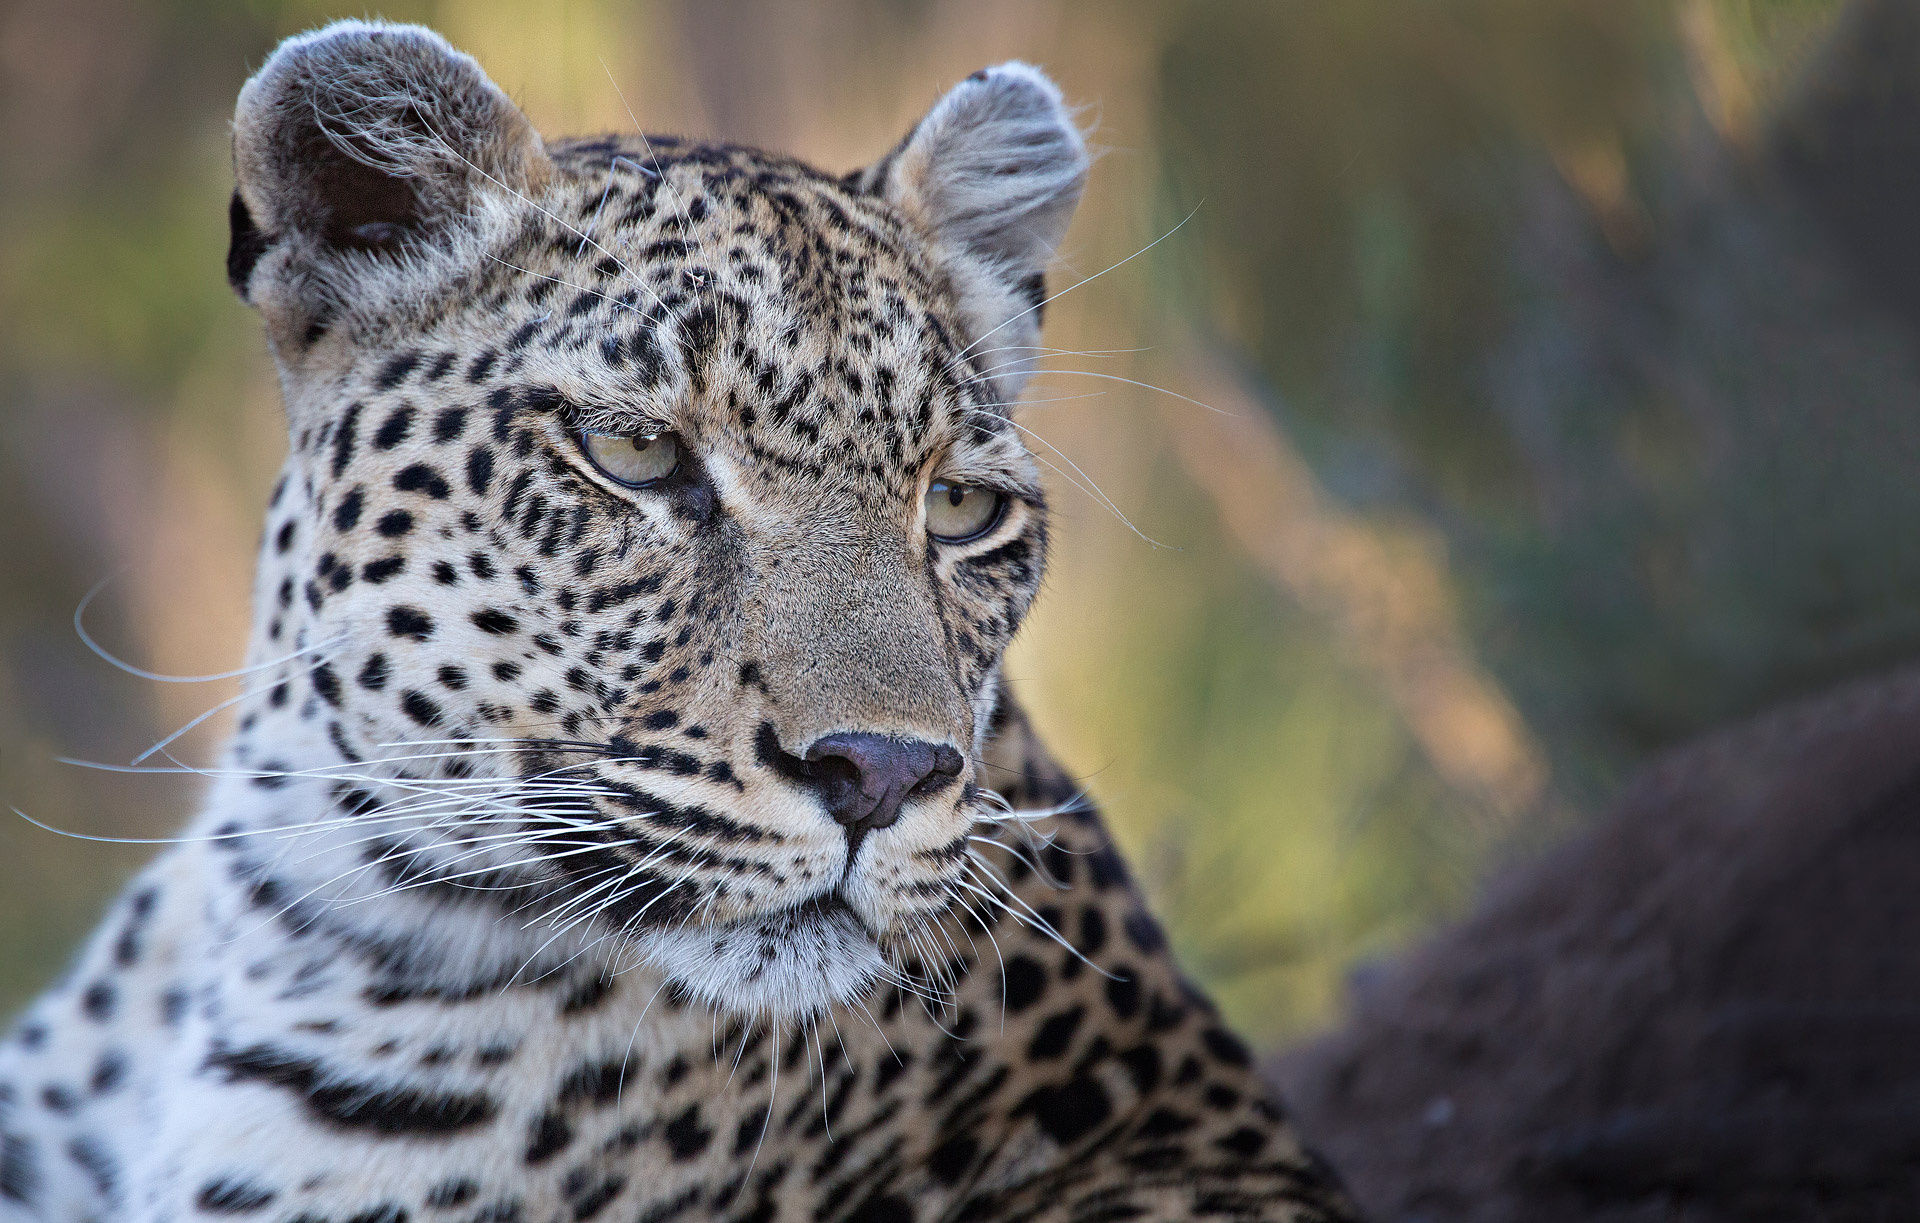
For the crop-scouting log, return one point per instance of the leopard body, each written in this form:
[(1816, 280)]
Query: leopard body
[(518, 895)]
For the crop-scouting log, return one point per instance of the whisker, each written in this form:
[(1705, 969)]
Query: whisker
[(100, 651), (1021, 910), (1146, 386), (665, 182), (1078, 284), (1091, 488)]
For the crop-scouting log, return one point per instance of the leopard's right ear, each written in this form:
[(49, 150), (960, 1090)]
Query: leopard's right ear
[(361, 145), (991, 175)]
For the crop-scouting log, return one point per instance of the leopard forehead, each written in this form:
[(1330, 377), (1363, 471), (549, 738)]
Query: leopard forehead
[(749, 302)]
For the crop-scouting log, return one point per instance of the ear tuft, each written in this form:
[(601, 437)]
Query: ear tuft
[(365, 135), (992, 174), (996, 167)]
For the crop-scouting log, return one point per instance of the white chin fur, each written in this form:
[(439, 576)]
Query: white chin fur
[(789, 965)]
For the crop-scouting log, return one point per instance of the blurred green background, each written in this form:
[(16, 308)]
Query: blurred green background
[(1519, 419)]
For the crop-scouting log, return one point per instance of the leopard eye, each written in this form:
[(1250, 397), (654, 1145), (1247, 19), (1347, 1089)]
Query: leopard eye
[(633, 459), (957, 513)]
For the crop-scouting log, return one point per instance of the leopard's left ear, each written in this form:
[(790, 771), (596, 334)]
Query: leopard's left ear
[(355, 147), (992, 175)]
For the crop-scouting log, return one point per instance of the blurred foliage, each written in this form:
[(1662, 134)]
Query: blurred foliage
[(1510, 274), (1514, 269)]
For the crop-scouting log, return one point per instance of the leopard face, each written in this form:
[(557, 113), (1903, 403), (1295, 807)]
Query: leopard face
[(663, 495)]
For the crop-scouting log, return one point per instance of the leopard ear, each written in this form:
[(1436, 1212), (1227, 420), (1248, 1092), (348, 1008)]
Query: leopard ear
[(364, 137), (992, 174)]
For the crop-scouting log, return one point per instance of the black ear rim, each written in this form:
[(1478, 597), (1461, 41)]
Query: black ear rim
[(245, 245), (380, 213)]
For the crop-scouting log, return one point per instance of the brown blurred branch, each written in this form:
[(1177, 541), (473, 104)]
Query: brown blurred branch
[(1725, 93), (1390, 606)]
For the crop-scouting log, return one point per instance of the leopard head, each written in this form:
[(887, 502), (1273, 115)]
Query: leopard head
[(660, 502)]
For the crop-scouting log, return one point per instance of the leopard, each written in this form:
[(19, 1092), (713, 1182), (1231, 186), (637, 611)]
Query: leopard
[(625, 816)]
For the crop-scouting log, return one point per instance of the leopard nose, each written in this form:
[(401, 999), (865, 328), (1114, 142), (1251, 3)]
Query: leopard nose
[(863, 779)]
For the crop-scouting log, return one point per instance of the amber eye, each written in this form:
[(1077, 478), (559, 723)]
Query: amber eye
[(633, 459), (957, 513)]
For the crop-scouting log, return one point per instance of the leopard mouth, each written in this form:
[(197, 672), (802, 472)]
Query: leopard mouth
[(791, 963), (822, 908)]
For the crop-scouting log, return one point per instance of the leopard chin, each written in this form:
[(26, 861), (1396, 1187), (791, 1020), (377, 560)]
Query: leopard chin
[(792, 964)]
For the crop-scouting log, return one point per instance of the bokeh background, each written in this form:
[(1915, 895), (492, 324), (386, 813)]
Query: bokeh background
[(1512, 389)]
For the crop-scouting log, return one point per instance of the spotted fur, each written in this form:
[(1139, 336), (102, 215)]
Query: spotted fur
[(515, 898)]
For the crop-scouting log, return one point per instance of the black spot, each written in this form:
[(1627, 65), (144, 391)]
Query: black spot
[(521, 334), (382, 569), (887, 1208), (495, 1055), (685, 1136), (594, 1083), (325, 682), (594, 1196), (1055, 1035), (1165, 1123), (98, 1001), (1106, 869), (395, 371), (1227, 1047), (347, 513), (1143, 932), (449, 424), (380, 1108), (229, 1196), (395, 428), (420, 478), (409, 622), (548, 1137), (344, 437), (394, 523), (448, 1194), (373, 675), (19, 1171), (1093, 923), (245, 244), (1034, 289), (588, 994), (94, 1159), (951, 1159), (1142, 1064), (770, 755), (494, 621), (420, 708), (479, 468), (1024, 978), (1070, 1111)]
